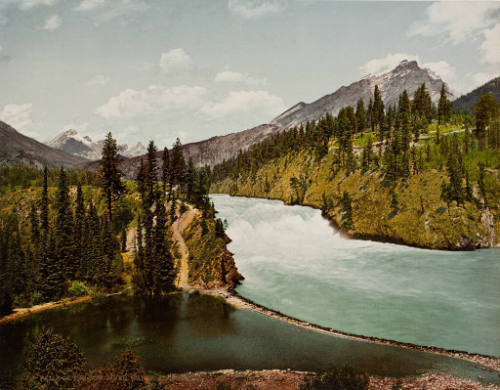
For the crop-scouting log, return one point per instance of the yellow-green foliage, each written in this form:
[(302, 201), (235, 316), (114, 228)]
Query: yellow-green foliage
[(206, 254), (421, 218)]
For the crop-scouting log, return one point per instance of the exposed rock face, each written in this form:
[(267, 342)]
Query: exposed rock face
[(407, 75), (70, 141), (468, 101), (17, 149)]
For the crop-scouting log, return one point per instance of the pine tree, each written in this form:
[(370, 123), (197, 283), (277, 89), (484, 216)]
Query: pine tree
[(44, 206), (34, 226), (444, 106), (163, 267), (178, 165), (65, 244), (110, 173), (79, 228), (482, 185), (360, 116), (165, 170), (52, 362)]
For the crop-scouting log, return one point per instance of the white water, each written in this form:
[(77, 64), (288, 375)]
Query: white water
[(294, 262)]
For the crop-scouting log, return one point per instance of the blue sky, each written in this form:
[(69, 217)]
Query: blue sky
[(160, 69)]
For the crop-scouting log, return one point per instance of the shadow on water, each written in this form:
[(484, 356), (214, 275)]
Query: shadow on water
[(183, 332)]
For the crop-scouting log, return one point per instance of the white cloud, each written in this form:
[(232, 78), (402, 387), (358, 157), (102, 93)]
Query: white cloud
[(244, 102), (52, 23), (88, 5), (255, 8), (491, 45), (229, 76), (154, 99), (97, 80), (442, 69), (175, 60), (456, 21), (17, 115)]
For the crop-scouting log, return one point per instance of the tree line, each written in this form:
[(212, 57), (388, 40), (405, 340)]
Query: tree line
[(397, 142)]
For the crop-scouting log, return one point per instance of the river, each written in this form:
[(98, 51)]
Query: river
[(294, 262), (190, 332)]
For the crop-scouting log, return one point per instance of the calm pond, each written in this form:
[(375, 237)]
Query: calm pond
[(183, 332), (294, 262)]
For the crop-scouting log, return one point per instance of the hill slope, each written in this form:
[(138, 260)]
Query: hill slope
[(407, 75), (468, 101), (16, 148)]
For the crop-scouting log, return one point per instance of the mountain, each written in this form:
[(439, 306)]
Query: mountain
[(70, 141), (209, 152), (468, 101), (16, 148), (407, 75)]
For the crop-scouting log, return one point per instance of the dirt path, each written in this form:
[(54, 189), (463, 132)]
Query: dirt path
[(182, 280)]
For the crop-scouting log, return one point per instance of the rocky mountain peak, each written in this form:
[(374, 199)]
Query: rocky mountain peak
[(406, 75)]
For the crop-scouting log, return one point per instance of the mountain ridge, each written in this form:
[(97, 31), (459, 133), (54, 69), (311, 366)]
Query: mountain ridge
[(16, 148), (407, 75)]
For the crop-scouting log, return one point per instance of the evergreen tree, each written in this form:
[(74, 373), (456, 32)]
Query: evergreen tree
[(178, 165), (444, 106), (64, 239), (79, 228), (165, 170), (110, 173), (360, 116), (52, 362), (34, 226), (163, 267), (44, 206)]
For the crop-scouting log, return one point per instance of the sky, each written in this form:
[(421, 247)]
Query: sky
[(161, 69)]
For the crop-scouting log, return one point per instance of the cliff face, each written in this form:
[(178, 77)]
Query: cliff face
[(421, 218), (211, 265), (407, 75)]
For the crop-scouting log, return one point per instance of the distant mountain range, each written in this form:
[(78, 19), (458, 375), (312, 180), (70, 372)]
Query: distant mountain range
[(72, 142), (468, 101), (16, 148), (72, 149)]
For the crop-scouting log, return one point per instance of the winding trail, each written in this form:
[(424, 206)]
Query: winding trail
[(180, 224)]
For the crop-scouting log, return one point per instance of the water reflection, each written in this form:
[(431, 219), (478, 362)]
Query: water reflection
[(184, 332)]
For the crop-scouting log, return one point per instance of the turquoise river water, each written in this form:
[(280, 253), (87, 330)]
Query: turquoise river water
[(295, 262)]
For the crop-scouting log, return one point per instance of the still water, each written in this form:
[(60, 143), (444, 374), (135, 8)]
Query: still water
[(183, 332), (294, 262)]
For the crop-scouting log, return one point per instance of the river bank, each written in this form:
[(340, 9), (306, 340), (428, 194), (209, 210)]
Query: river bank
[(292, 380), (410, 211)]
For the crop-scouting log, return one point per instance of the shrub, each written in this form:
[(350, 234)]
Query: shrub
[(78, 289), (36, 298), (52, 362), (337, 379)]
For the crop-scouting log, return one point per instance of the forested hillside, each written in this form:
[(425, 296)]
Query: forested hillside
[(74, 233), (412, 173)]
